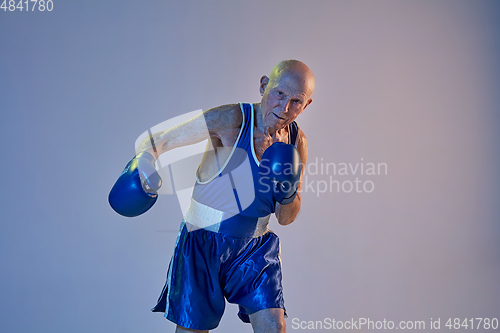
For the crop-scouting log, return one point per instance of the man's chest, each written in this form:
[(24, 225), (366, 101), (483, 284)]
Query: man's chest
[(261, 141)]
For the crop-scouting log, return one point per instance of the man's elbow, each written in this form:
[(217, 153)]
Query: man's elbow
[(287, 217), (285, 220)]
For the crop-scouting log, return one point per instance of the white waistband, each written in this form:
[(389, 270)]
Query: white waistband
[(200, 216)]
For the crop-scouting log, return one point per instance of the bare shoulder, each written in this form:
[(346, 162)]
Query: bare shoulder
[(224, 117), (302, 147)]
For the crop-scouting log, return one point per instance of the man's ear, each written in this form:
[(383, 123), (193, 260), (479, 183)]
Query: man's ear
[(264, 80), (308, 102)]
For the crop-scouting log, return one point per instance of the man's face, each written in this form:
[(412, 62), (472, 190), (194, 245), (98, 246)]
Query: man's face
[(283, 99)]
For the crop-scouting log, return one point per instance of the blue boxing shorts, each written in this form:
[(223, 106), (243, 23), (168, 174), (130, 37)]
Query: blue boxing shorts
[(208, 266)]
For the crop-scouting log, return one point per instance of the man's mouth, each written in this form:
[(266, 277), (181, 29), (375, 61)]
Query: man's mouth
[(278, 116)]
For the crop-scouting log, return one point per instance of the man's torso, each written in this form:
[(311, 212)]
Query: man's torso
[(223, 140)]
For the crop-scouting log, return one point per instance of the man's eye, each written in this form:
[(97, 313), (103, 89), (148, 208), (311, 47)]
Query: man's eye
[(280, 93)]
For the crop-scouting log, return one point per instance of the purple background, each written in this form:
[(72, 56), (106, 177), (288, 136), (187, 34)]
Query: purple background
[(413, 84)]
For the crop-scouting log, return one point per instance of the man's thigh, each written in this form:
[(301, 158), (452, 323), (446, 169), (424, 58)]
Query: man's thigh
[(268, 320)]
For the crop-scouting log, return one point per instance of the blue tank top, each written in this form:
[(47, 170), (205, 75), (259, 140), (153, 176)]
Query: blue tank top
[(237, 201)]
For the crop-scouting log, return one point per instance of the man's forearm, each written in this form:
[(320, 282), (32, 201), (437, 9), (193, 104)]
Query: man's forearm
[(286, 214)]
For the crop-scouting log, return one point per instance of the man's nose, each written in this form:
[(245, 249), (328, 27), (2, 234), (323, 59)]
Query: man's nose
[(285, 102)]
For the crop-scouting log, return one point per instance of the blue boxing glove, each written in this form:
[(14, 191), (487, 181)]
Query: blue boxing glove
[(281, 163), (135, 191)]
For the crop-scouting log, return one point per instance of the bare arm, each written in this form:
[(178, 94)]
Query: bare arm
[(286, 214), (213, 122)]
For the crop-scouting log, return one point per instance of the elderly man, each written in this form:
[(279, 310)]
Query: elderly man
[(221, 255)]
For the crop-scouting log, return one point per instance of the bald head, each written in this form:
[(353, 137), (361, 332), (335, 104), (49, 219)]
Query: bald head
[(295, 70)]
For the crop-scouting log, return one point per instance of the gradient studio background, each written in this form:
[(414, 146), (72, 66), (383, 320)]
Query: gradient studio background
[(413, 84)]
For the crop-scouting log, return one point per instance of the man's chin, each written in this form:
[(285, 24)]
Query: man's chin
[(276, 124), (279, 126)]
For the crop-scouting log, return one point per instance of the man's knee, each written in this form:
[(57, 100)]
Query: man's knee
[(268, 321), (277, 326), (181, 329)]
